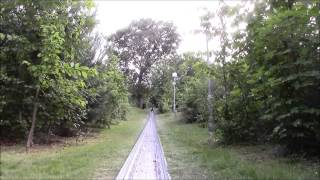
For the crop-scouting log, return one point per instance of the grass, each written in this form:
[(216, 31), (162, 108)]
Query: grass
[(99, 157), (189, 157)]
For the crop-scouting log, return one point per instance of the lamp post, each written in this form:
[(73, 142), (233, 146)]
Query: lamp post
[(174, 76)]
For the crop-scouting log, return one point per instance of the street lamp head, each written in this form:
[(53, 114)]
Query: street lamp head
[(174, 75)]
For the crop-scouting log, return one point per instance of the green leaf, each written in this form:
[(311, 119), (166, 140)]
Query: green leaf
[(26, 62), (2, 36), (84, 74)]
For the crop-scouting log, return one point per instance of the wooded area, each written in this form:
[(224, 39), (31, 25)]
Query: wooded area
[(53, 77), (59, 77), (265, 78)]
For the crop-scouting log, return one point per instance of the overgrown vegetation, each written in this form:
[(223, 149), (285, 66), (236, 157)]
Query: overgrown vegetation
[(60, 79), (53, 78), (265, 77), (141, 47), (189, 156)]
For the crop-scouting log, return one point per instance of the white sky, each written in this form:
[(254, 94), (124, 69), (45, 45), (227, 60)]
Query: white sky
[(185, 15)]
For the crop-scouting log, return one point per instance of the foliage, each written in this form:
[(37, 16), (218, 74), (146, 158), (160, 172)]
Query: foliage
[(265, 77), (140, 46), (190, 88), (288, 64), (189, 156), (47, 65), (110, 99), (271, 85)]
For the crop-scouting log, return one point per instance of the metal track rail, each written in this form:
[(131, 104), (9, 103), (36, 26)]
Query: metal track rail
[(146, 159)]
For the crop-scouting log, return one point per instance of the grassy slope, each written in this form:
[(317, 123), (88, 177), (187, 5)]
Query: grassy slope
[(189, 157), (101, 157)]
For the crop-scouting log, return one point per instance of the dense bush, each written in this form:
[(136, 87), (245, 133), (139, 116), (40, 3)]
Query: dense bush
[(50, 79), (108, 95)]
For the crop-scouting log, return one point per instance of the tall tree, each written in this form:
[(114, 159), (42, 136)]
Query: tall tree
[(140, 46), (214, 25)]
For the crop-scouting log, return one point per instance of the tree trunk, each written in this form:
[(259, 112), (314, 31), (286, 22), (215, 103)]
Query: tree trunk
[(141, 102), (34, 118), (48, 132), (20, 116), (210, 109), (224, 53)]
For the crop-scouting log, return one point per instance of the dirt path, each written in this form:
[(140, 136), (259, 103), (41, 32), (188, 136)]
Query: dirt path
[(146, 160)]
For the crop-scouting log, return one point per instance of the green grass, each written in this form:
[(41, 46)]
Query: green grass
[(189, 157), (101, 156)]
